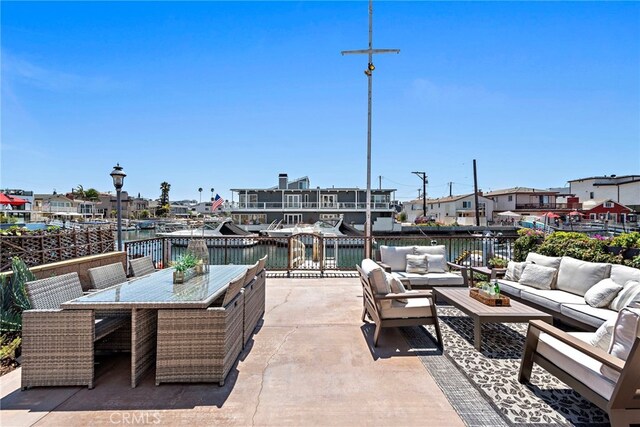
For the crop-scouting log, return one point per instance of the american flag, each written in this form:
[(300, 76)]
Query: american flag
[(217, 202)]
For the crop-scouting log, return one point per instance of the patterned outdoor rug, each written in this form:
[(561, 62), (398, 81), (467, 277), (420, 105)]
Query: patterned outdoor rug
[(494, 373)]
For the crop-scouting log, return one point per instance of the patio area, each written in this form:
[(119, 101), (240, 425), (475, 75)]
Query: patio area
[(310, 363)]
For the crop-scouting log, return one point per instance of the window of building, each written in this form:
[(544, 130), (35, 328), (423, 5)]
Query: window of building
[(608, 204), (591, 195), (328, 201), (293, 201), (510, 198), (292, 219), (466, 205)]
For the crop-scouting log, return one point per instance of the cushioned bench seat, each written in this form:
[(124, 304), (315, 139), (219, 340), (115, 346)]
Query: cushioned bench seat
[(394, 260), (550, 298), (431, 279), (586, 314), (511, 288)]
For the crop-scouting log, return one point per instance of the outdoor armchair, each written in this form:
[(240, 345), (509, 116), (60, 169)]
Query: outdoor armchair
[(393, 309), (58, 345), (608, 381)]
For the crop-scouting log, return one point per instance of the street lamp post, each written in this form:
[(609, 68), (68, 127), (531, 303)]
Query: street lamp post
[(118, 181), (423, 176)]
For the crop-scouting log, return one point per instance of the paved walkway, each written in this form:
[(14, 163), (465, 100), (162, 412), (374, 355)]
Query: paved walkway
[(311, 363)]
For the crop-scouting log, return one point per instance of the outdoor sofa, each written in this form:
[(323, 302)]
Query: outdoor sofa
[(579, 293), (437, 272)]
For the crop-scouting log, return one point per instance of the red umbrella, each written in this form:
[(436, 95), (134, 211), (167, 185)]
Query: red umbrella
[(550, 215), (11, 200), (575, 213)]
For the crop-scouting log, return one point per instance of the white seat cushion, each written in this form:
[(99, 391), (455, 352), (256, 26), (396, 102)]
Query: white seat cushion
[(550, 298), (578, 276), (416, 307), (511, 288), (588, 315), (395, 256), (575, 363), (432, 279)]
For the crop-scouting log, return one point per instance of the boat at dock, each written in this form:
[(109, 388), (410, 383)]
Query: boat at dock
[(212, 229)]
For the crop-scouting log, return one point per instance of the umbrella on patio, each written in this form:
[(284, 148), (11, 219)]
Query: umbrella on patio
[(550, 215), (11, 200), (509, 213), (575, 213)]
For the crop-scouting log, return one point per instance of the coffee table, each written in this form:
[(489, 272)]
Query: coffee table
[(482, 313)]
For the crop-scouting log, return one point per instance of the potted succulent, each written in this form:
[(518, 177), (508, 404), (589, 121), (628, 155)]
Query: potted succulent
[(629, 244), (184, 268), (497, 262)]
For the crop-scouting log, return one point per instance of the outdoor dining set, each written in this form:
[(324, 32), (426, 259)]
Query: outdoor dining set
[(191, 332)]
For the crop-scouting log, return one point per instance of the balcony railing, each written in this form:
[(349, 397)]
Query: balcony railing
[(548, 206), (308, 206)]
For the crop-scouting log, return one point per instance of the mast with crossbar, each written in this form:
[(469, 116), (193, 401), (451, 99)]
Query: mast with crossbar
[(369, 72)]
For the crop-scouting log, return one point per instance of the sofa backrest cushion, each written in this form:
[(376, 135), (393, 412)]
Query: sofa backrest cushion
[(602, 293), (396, 256), (624, 335), (538, 276), (436, 264), (396, 287), (547, 261), (578, 276), (376, 276), (628, 295), (621, 274), (416, 264), (431, 250)]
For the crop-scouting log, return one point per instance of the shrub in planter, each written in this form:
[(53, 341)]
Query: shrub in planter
[(529, 241)]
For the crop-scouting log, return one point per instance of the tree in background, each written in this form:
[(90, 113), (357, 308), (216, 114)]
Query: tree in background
[(164, 208), (92, 194), (78, 192)]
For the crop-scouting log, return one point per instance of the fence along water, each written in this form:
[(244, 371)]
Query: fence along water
[(313, 252)]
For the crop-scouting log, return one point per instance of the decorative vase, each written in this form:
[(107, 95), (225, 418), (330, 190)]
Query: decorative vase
[(183, 276), (198, 248)]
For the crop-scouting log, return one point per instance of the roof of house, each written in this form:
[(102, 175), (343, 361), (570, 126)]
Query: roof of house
[(519, 190), (445, 199), (624, 178), (594, 203)]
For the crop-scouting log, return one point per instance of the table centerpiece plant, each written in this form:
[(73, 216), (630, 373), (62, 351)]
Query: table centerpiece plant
[(184, 268)]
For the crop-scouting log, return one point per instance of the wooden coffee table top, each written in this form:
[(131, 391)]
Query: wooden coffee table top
[(459, 297)]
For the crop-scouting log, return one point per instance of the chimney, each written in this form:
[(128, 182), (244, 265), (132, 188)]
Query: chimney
[(282, 181)]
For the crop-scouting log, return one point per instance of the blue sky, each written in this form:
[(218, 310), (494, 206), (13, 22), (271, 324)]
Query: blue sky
[(230, 94)]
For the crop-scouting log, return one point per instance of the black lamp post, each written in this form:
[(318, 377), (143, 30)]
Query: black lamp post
[(118, 181), (423, 176)]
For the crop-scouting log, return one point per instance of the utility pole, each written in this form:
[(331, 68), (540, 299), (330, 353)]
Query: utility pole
[(369, 72), (419, 192), (423, 176), (475, 193), (380, 182), (450, 189)]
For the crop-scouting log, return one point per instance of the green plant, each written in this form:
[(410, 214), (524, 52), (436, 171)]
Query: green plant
[(529, 241), (627, 240), (185, 262), (9, 347), (14, 297), (498, 262)]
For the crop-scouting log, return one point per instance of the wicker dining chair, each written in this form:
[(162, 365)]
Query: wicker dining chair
[(254, 296), (200, 345), (107, 275), (141, 266), (58, 345)]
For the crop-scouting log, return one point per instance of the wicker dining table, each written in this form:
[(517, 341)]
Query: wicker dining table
[(145, 295)]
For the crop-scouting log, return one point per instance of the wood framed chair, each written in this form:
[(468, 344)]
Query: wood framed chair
[(58, 345), (141, 266), (388, 309), (582, 366), (107, 275)]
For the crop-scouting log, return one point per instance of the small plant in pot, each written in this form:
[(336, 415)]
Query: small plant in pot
[(498, 262), (184, 268)]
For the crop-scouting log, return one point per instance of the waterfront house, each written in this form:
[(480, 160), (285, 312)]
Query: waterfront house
[(294, 202), (22, 212), (608, 210), (526, 201), (47, 206), (449, 210), (624, 189)]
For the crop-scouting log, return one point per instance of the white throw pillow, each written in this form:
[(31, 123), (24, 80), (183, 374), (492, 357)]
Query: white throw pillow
[(538, 276), (624, 335), (604, 334), (436, 264), (395, 256), (396, 286), (514, 270), (602, 293), (629, 293), (547, 261), (417, 264)]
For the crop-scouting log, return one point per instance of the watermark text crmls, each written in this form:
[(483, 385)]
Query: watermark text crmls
[(134, 418)]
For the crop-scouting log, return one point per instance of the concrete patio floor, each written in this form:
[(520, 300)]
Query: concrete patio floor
[(310, 363)]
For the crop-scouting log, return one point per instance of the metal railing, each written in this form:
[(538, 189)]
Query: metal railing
[(314, 252), (307, 205)]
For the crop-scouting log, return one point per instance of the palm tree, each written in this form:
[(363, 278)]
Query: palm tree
[(200, 190), (79, 192), (164, 195)]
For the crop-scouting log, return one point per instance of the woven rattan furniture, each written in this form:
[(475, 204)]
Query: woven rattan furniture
[(141, 266), (107, 275), (58, 345), (419, 309), (153, 292), (481, 313), (201, 345), (254, 298)]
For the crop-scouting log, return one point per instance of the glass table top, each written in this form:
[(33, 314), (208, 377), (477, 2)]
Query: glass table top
[(157, 290)]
